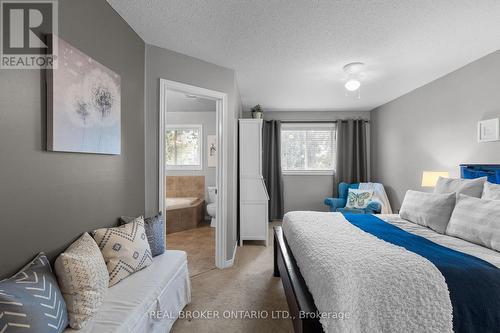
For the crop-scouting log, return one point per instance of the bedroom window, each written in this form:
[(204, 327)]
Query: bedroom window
[(183, 147), (308, 148)]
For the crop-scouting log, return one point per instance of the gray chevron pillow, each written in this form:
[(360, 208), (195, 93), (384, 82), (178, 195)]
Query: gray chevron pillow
[(125, 249), (31, 301)]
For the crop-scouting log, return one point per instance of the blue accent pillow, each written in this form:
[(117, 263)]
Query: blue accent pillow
[(31, 301), (154, 232)]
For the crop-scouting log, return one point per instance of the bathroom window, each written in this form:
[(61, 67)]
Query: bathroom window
[(308, 148), (183, 147)]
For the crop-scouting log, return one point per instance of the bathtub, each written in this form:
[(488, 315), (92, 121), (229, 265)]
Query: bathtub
[(184, 213), (176, 203)]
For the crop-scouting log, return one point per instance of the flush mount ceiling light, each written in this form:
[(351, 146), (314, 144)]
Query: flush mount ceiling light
[(352, 85), (353, 71), (188, 96)]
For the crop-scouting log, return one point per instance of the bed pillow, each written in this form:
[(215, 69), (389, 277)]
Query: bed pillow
[(477, 221), (432, 210), (154, 232), (358, 198), (83, 279), (31, 301), (125, 249), (470, 187), (491, 191)]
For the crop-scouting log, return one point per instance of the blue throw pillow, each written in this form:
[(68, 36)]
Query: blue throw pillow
[(31, 301), (154, 232)]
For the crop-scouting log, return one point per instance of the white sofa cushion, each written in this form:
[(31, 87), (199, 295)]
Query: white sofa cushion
[(431, 210), (83, 279), (162, 288), (470, 187), (477, 221), (491, 191)]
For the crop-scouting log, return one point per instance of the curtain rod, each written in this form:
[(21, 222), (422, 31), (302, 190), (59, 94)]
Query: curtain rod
[(316, 121)]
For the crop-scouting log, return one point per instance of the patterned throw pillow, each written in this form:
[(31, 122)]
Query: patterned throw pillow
[(154, 232), (358, 198), (31, 301), (125, 249), (83, 279)]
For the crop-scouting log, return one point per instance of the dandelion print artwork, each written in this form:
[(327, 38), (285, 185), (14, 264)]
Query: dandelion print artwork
[(83, 105)]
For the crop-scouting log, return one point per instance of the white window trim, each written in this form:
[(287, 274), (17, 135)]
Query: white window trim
[(306, 125), (187, 167)]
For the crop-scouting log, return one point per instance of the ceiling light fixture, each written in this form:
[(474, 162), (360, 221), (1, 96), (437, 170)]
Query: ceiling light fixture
[(352, 85), (353, 71)]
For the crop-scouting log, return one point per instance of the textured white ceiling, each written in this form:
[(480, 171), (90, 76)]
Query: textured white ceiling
[(288, 55), (177, 102)]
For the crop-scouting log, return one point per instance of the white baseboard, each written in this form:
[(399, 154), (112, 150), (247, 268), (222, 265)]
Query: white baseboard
[(230, 262)]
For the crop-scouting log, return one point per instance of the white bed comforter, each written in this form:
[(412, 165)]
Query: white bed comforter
[(374, 285)]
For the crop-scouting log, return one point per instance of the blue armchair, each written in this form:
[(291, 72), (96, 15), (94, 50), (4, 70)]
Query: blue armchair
[(338, 204)]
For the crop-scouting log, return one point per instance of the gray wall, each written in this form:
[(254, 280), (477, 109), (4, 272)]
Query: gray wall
[(48, 199), (434, 127), (208, 121), (166, 64), (308, 192)]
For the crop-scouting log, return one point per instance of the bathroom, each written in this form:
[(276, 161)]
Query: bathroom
[(190, 178)]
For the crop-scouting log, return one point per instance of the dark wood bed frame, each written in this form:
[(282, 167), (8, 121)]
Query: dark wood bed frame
[(300, 301)]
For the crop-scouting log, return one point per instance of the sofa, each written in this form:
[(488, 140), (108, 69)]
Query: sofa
[(148, 301), (339, 204)]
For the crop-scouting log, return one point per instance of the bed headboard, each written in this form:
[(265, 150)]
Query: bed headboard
[(470, 171)]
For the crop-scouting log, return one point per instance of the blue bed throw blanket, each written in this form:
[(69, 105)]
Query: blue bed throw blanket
[(473, 283)]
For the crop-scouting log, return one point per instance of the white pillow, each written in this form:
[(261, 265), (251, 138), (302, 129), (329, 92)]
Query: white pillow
[(432, 210), (125, 249), (477, 221), (491, 191), (358, 198), (83, 279), (470, 187)]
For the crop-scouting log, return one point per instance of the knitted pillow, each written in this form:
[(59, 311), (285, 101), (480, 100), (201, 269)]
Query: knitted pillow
[(83, 278)]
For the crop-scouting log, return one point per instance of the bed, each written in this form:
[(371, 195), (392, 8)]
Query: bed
[(309, 287)]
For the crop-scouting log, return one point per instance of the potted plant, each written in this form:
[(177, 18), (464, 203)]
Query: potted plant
[(257, 112)]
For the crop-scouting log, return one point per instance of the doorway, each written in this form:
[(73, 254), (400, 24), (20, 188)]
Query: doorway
[(192, 186)]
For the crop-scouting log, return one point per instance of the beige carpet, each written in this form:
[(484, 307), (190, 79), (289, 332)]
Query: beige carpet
[(247, 286), (199, 245)]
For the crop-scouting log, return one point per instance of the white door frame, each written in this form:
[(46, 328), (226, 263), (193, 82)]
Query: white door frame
[(222, 160)]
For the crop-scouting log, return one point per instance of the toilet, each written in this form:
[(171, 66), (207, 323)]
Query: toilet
[(212, 204)]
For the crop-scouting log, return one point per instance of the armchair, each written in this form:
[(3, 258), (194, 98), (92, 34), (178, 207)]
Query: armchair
[(339, 204)]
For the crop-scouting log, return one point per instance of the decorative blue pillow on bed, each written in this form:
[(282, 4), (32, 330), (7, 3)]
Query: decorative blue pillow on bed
[(154, 232), (31, 301)]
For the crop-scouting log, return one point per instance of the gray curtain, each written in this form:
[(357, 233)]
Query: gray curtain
[(352, 153), (271, 168)]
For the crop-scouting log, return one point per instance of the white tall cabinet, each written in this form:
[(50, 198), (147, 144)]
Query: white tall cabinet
[(254, 199)]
